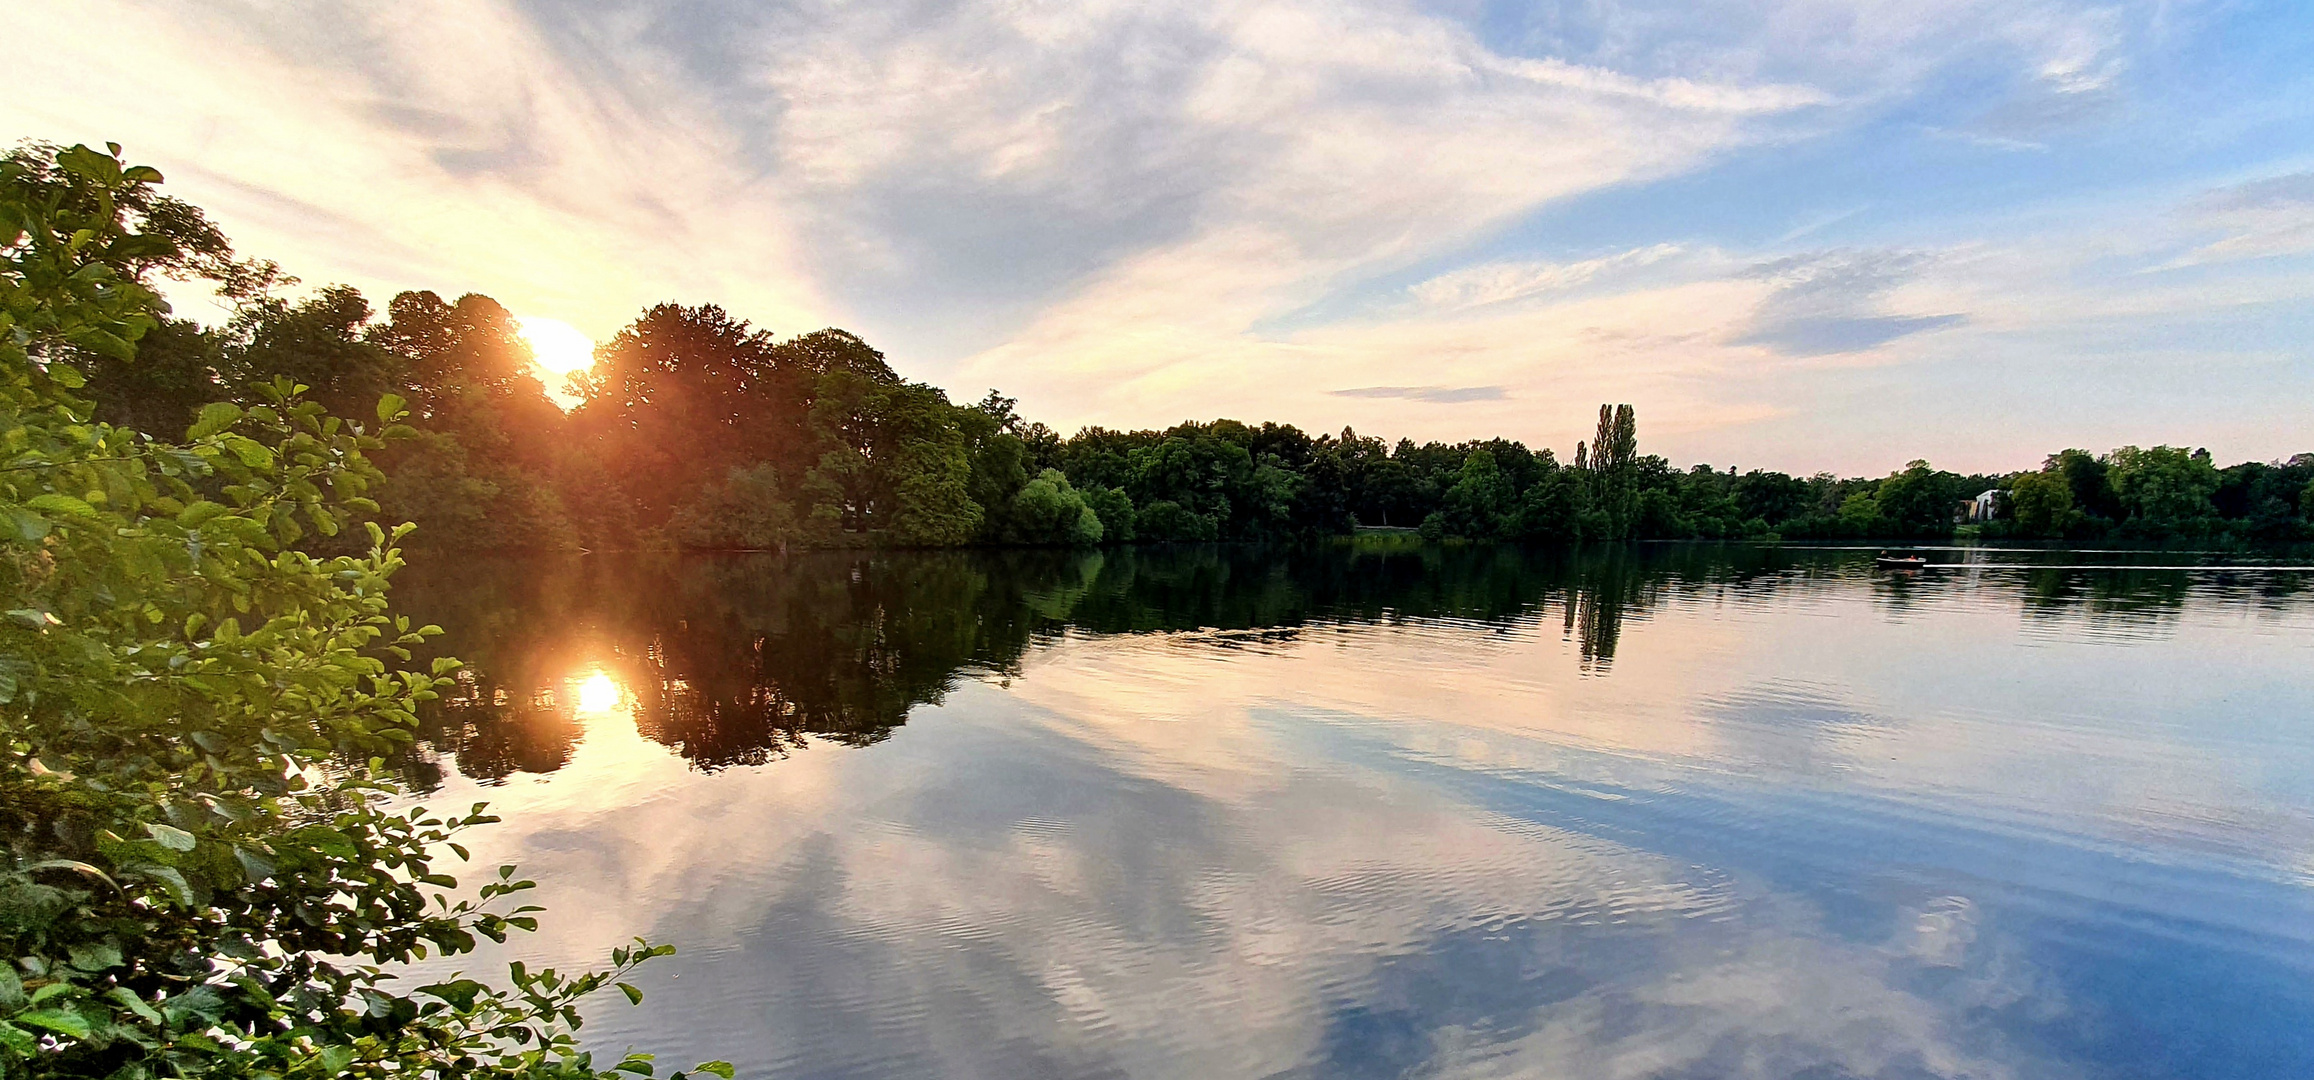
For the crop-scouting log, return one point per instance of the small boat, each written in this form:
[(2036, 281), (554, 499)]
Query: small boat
[(1885, 561)]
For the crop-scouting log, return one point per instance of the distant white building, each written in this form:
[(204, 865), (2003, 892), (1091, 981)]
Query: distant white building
[(1984, 505)]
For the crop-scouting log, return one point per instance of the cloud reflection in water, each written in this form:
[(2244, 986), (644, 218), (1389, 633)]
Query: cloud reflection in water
[(1213, 813)]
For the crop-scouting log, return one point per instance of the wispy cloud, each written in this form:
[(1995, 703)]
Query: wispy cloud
[(2261, 218), (1829, 303), (1499, 282)]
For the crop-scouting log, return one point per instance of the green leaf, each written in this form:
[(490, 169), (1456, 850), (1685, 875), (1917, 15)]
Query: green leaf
[(634, 996), (460, 993), (391, 407), (170, 877), (719, 1068), (215, 417), (25, 525), (130, 1001), (95, 956), (201, 513), (334, 1059), (60, 1021), (201, 1003), (254, 866), (61, 504), (170, 836), (251, 452)]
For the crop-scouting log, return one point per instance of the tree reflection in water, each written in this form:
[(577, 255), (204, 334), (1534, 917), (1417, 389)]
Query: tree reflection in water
[(743, 659)]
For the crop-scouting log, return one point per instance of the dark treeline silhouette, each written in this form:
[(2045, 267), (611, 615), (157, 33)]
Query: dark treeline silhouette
[(696, 429), (741, 659)]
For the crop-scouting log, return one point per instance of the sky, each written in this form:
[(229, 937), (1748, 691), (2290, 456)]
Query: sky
[(1795, 234)]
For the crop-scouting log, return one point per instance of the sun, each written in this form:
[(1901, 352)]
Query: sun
[(558, 347)]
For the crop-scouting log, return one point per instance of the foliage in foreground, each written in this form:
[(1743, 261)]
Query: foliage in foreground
[(203, 876)]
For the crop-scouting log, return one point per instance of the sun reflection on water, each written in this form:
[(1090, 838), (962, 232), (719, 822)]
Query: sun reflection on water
[(599, 693)]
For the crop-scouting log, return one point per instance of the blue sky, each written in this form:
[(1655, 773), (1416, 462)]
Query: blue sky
[(1801, 234)]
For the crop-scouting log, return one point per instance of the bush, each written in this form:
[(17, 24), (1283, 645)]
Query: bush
[(1115, 509), (1049, 511)]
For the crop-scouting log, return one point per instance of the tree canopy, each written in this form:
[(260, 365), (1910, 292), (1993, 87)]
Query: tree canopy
[(698, 428)]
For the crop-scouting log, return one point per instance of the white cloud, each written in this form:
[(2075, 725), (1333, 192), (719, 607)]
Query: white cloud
[(1495, 283), (1831, 302), (444, 145), (1103, 208)]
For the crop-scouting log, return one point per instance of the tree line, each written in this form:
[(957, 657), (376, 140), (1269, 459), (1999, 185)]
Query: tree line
[(695, 429)]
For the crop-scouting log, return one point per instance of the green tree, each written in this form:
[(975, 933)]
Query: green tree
[(2163, 489), (1551, 510), (176, 370), (317, 342), (479, 475), (1772, 497), (1481, 499), (1119, 522), (202, 878), (748, 511), (1195, 475), (1612, 461), (896, 468), (1265, 505), (684, 394), (2086, 476), (2041, 504), (1860, 515), (1917, 501), (999, 457), (1049, 511)]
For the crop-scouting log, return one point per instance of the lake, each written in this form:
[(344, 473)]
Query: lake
[(1444, 812)]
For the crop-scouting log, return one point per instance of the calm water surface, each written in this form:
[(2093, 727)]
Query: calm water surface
[(1470, 812)]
